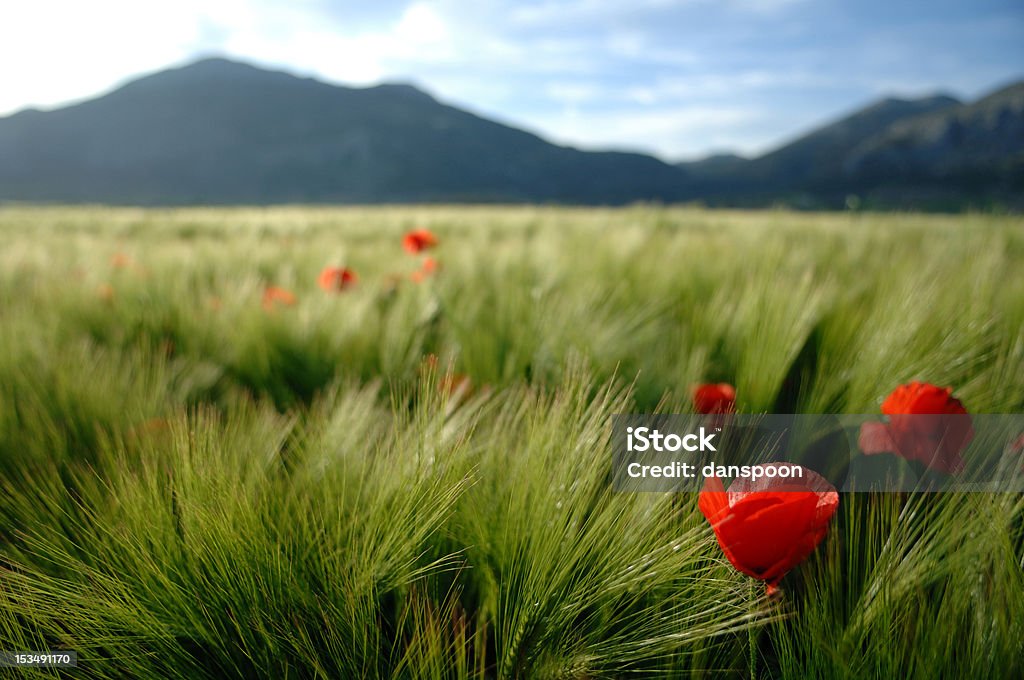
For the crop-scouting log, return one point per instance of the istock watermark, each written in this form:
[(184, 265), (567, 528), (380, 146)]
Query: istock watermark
[(689, 470), (645, 439), (906, 453)]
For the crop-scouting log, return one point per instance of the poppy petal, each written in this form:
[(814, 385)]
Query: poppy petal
[(875, 438), (713, 501)]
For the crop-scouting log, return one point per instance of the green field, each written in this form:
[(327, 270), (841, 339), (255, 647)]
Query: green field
[(198, 482)]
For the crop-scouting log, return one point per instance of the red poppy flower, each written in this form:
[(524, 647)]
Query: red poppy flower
[(1018, 444), (120, 260), (455, 384), (926, 424), (273, 295), (714, 398), (1016, 448), (767, 526), (428, 268), (418, 240), (333, 279)]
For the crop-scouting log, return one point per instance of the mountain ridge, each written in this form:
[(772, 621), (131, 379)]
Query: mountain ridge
[(220, 131)]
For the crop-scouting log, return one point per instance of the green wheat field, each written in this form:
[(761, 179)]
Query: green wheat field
[(410, 477)]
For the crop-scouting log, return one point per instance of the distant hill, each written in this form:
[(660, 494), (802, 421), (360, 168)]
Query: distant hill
[(224, 132), (934, 152), (219, 131), (958, 152), (822, 152)]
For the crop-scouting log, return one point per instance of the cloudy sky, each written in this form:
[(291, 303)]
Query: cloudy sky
[(678, 78)]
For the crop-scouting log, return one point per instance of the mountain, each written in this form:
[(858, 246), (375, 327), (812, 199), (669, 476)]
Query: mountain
[(812, 164), (935, 152), (219, 131), (962, 150), (223, 132), (714, 164), (821, 152)]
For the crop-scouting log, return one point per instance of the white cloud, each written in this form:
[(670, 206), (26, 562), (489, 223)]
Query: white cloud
[(70, 50), (317, 45), (642, 95), (574, 93), (709, 85), (561, 10), (548, 12), (669, 132), (421, 25), (54, 51)]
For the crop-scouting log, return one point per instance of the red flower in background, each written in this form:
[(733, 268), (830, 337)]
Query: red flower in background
[(124, 261), (767, 526), (334, 279), (714, 398), (120, 261), (1018, 444), (926, 424), (418, 240), (457, 386), (428, 268), (273, 295), (1017, 448)]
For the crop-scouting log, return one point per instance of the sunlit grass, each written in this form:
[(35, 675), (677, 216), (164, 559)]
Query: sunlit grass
[(193, 485)]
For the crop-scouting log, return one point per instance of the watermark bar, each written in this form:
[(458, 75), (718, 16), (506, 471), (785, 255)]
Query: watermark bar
[(53, 659), (898, 454)]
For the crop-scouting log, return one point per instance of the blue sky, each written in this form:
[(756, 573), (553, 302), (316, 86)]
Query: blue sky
[(677, 78)]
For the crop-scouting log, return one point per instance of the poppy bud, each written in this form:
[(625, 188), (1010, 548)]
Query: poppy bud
[(714, 398)]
